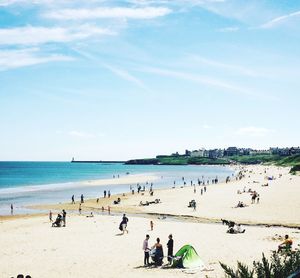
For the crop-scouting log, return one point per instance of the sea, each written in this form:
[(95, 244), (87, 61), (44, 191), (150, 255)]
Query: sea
[(29, 183)]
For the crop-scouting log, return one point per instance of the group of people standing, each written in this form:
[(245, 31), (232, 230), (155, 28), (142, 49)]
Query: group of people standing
[(156, 251), (81, 199), (106, 193)]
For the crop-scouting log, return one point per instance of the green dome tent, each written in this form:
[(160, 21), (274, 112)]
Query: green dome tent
[(187, 257)]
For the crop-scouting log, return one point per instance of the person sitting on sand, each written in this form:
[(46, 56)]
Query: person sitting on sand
[(57, 222), (240, 205), (91, 215), (286, 244), (239, 229)]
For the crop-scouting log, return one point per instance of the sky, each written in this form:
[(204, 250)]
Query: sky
[(116, 80)]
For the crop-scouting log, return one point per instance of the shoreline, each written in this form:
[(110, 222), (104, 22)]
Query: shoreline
[(126, 179), (206, 212)]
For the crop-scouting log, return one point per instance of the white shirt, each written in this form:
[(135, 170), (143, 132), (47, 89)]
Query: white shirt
[(145, 245)]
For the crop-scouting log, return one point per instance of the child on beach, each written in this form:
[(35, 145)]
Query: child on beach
[(151, 225)]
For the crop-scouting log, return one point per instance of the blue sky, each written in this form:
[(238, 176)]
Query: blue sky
[(126, 79)]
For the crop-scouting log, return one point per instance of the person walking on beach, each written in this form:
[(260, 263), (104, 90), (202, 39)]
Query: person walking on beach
[(64, 215), (81, 198), (11, 209), (50, 216), (146, 251), (108, 209), (170, 245), (124, 223), (104, 193), (204, 188), (79, 208), (73, 200), (194, 189), (254, 195), (108, 193)]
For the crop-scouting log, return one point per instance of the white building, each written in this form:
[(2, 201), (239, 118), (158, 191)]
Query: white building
[(200, 153)]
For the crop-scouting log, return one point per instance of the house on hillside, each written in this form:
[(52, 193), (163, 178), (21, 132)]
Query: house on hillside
[(231, 151)]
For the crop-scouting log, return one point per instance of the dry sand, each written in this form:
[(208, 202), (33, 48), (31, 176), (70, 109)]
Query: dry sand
[(91, 247)]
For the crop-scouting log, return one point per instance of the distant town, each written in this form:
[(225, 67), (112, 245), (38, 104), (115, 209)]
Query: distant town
[(232, 155), (234, 151)]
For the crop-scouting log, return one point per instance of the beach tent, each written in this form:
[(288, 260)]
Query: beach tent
[(295, 275), (187, 257)]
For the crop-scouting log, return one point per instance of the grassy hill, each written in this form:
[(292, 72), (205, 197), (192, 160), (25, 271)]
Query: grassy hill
[(244, 159)]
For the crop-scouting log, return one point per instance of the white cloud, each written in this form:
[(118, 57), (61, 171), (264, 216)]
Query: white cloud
[(206, 126), (33, 2), (279, 20), (10, 59), (30, 35), (228, 29), (254, 131), (108, 12), (81, 134)]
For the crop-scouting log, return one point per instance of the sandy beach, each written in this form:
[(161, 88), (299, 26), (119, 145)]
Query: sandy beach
[(93, 247), (278, 203)]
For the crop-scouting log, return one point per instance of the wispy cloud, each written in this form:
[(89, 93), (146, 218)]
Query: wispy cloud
[(126, 76), (82, 134), (108, 12), (229, 29), (224, 66), (205, 80), (254, 131), (31, 35), (279, 20), (10, 59)]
